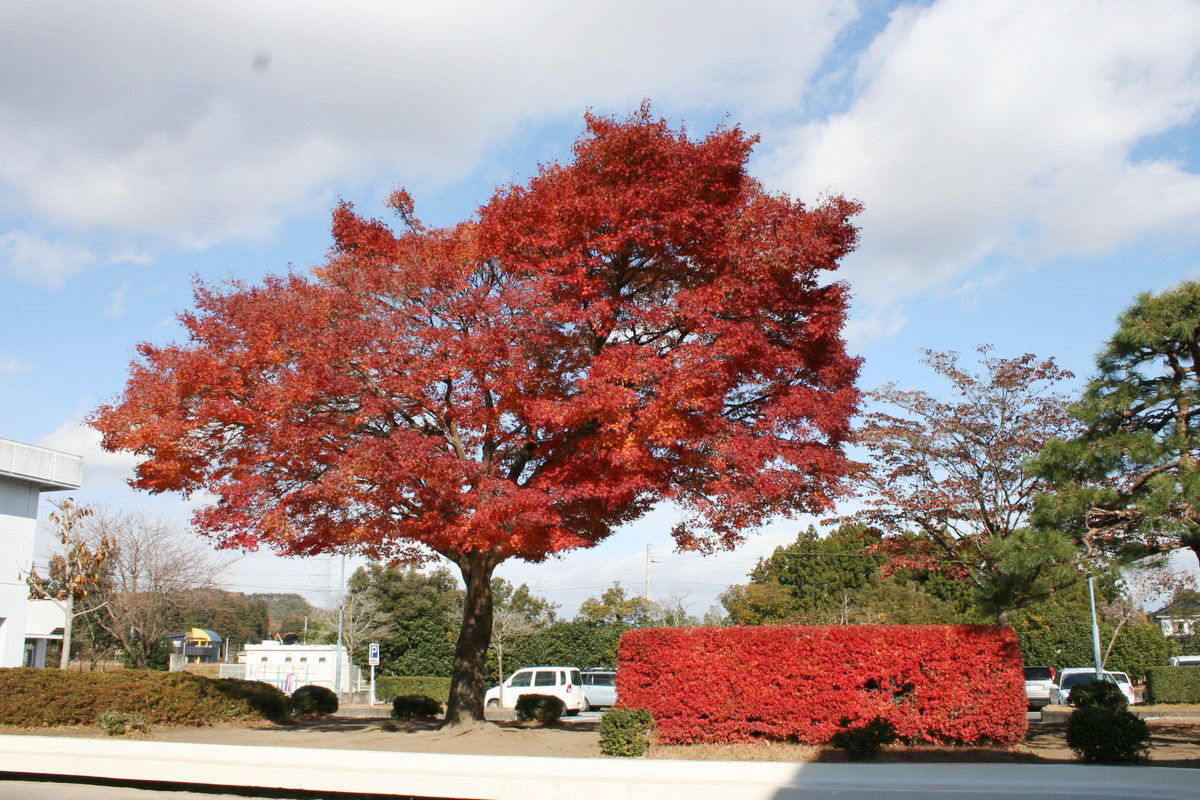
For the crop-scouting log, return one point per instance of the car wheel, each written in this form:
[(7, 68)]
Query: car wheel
[(586, 705), (493, 703)]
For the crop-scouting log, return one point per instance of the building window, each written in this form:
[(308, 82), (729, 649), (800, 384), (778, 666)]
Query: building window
[(303, 660), (321, 660), (264, 659), (287, 660)]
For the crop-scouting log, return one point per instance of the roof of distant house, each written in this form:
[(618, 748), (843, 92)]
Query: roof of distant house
[(197, 635)]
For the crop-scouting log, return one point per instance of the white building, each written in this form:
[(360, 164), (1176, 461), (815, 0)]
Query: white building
[(25, 472), (290, 666), (43, 624)]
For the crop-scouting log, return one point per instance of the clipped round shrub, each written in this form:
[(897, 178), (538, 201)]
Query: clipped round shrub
[(625, 732), (541, 708), (312, 699), (120, 723), (415, 706), (865, 741), (1098, 694), (1101, 735)]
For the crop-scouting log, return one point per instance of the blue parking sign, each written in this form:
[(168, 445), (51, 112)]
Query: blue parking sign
[(373, 655)]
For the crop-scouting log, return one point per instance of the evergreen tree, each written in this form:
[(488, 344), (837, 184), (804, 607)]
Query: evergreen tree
[(1131, 480)]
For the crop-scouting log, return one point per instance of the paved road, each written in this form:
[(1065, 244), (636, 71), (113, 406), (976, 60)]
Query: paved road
[(49, 790)]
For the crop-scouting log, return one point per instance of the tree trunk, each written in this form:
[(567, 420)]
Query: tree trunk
[(68, 609), (468, 679)]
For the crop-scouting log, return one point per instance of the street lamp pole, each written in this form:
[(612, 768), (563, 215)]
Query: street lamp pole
[(1095, 629), (337, 656)]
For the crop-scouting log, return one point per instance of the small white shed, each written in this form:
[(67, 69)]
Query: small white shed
[(290, 666)]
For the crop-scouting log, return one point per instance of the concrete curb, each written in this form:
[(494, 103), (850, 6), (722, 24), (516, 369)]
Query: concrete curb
[(521, 778), (1063, 713)]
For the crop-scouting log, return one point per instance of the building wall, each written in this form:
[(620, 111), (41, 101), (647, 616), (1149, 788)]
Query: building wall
[(1177, 626), (18, 526)]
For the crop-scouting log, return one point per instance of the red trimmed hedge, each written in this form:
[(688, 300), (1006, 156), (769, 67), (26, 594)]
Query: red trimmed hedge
[(935, 683)]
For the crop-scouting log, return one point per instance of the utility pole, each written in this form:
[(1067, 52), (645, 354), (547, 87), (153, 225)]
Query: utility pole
[(1095, 630), (337, 669), (649, 596)]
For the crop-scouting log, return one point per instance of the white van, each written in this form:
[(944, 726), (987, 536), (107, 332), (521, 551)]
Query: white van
[(1184, 661), (565, 683)]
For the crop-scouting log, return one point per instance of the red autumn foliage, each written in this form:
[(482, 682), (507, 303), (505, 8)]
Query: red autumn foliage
[(935, 683), (642, 324)]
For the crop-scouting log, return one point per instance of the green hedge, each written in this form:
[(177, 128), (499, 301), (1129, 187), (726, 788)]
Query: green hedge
[(389, 687), (38, 698), (1173, 685)]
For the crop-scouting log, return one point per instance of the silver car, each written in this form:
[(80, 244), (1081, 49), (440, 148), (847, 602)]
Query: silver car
[(600, 688)]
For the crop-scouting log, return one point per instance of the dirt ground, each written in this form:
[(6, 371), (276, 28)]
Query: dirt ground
[(1175, 742), (571, 740)]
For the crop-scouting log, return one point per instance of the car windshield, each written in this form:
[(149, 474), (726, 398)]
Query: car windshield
[(1076, 678), (1038, 674)]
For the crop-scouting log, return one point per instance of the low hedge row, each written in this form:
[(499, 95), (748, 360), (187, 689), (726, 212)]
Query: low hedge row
[(36, 698), (389, 687), (933, 683), (1173, 685)]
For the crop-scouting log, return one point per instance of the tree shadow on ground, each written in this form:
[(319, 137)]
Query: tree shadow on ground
[(348, 725)]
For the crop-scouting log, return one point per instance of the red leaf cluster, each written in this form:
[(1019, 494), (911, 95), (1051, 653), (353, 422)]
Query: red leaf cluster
[(642, 324), (935, 683)]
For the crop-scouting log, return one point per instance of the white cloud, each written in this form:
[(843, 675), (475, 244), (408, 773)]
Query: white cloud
[(12, 366), (231, 116), (31, 258), (984, 128), (104, 473), (116, 301), (136, 257), (863, 329)]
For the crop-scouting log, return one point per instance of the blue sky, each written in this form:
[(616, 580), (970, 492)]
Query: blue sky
[(1027, 168)]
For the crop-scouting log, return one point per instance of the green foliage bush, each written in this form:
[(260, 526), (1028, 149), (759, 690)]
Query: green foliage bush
[(541, 708), (314, 700), (37, 698), (576, 644), (389, 687), (1098, 694), (415, 706), (1173, 685), (119, 723), (1101, 735), (865, 741), (625, 732)]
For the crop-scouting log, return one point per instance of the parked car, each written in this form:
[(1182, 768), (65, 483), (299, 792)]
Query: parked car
[(1184, 661), (1038, 683), (1071, 677), (565, 683), (600, 688)]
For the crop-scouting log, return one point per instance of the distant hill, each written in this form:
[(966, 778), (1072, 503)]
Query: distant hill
[(285, 612)]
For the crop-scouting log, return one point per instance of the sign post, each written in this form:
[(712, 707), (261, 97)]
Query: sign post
[(373, 660)]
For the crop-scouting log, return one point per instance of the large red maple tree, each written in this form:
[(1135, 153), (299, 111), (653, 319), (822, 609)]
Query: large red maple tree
[(644, 323)]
